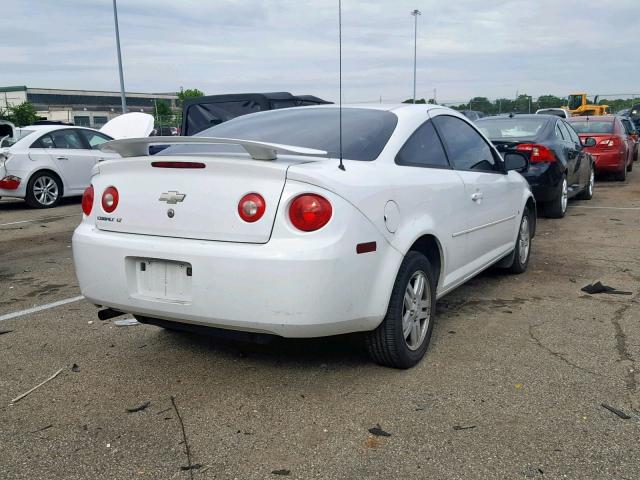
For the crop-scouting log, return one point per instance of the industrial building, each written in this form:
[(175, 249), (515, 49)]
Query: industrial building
[(87, 108)]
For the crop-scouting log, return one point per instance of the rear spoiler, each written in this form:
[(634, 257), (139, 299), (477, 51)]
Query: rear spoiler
[(139, 147)]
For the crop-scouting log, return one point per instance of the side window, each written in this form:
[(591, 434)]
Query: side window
[(572, 133), (67, 139), (94, 139), (627, 127), (565, 132), (423, 149), (44, 141), (466, 148), (559, 135)]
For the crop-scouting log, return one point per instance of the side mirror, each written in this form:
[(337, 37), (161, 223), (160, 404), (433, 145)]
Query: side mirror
[(589, 142), (515, 161)]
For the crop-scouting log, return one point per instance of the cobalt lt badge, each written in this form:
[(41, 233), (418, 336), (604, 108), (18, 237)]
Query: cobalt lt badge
[(170, 213)]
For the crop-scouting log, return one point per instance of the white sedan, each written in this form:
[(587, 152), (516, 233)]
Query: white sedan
[(47, 162), (254, 225)]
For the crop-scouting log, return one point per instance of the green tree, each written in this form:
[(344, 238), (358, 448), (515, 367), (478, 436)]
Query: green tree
[(418, 100), (23, 114), (188, 93), (550, 101)]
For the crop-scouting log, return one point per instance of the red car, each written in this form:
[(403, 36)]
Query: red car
[(614, 149)]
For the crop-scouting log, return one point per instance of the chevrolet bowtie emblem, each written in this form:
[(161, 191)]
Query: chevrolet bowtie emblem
[(172, 197)]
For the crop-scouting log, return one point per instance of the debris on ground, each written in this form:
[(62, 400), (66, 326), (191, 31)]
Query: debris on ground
[(616, 411), (75, 368), (42, 429), (598, 287), (283, 471), (127, 322), (139, 408), (20, 397), (195, 466), (378, 431), (2, 332), (184, 438), (460, 427), (532, 472)]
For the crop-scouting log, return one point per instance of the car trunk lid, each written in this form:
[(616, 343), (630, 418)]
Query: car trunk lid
[(197, 203)]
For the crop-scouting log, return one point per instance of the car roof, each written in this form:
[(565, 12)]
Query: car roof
[(597, 118)]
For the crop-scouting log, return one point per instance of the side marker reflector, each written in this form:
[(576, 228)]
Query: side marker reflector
[(366, 247)]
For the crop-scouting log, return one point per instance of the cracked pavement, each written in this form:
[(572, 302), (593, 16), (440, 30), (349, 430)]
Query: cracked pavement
[(511, 387)]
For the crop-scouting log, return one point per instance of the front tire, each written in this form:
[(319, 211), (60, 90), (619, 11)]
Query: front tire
[(401, 340), (522, 251), (557, 207), (630, 166), (44, 190)]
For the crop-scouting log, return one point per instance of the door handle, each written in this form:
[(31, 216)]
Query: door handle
[(62, 158), (476, 197)]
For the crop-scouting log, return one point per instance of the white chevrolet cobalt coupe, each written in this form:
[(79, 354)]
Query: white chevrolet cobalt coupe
[(254, 225)]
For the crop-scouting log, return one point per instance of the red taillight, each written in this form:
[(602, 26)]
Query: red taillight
[(178, 164), (310, 212), (251, 207), (87, 200), (110, 199), (538, 153), (10, 182)]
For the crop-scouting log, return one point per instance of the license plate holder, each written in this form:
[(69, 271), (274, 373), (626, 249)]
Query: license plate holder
[(161, 279)]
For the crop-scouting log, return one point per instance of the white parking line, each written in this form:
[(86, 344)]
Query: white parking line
[(39, 220), (29, 311), (608, 208)]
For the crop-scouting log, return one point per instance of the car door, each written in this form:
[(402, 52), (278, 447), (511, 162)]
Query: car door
[(584, 164), (492, 203), (433, 196), (73, 158), (93, 140), (572, 156), (629, 139)]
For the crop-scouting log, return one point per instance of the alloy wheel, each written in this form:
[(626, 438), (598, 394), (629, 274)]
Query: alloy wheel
[(564, 199), (45, 190), (416, 310), (524, 241)]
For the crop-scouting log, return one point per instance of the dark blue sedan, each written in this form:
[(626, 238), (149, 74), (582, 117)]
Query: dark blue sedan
[(559, 168)]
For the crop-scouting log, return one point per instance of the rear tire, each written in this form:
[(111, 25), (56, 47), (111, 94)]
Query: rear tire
[(621, 176), (587, 193), (44, 190), (557, 207), (401, 340), (522, 251), (630, 166)]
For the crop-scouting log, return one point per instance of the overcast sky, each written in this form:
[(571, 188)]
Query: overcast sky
[(465, 47)]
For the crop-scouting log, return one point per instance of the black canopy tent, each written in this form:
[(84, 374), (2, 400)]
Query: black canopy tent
[(200, 113)]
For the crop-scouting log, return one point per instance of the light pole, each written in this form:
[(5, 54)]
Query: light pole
[(122, 94), (415, 14)]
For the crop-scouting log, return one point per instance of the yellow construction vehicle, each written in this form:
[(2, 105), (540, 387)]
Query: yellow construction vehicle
[(579, 105)]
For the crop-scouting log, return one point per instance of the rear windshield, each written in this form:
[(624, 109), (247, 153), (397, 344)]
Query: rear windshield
[(592, 127), (365, 131), (512, 128)]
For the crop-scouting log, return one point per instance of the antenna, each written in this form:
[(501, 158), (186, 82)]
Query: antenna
[(341, 166)]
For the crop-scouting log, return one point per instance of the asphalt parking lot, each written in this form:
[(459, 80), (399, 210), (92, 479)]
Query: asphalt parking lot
[(512, 386)]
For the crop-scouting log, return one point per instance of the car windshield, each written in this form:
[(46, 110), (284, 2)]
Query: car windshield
[(592, 126), (365, 131), (511, 128), (575, 101)]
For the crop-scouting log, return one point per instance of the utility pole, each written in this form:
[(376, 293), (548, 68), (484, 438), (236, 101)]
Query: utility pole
[(122, 94), (435, 90), (415, 14)]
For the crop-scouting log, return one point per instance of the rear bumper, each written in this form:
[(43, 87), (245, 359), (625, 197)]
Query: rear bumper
[(301, 288), (544, 180), (609, 162)]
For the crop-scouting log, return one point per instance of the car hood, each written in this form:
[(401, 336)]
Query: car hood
[(129, 125)]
